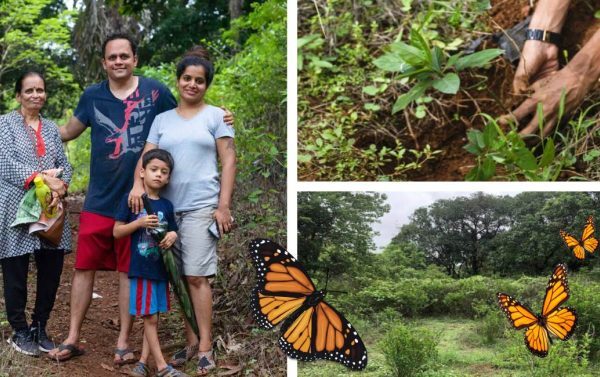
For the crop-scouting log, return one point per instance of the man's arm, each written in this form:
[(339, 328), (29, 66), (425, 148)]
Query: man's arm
[(540, 59), (71, 130), (574, 81)]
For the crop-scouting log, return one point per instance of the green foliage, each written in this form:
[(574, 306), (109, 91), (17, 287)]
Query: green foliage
[(428, 66), (334, 228), (35, 34), (495, 148), (491, 324), (408, 351)]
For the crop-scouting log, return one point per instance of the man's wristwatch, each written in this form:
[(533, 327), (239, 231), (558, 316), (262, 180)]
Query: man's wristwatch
[(542, 35)]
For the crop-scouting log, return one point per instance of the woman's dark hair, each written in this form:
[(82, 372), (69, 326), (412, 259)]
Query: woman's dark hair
[(19, 83), (197, 55), (115, 36), (158, 154)]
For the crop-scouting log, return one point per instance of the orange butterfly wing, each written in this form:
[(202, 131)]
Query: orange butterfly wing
[(312, 329), (321, 332), (588, 241), (559, 321), (282, 285)]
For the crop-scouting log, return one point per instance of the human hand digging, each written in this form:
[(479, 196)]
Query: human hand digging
[(574, 81)]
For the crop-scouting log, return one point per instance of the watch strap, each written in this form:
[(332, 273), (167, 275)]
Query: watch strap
[(543, 35)]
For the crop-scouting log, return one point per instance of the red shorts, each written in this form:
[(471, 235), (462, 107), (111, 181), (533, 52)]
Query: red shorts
[(97, 249)]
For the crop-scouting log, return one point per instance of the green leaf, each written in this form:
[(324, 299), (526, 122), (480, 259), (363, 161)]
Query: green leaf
[(438, 59), (410, 54), (370, 90), (591, 155), (304, 158), (448, 84), (414, 93), (417, 39), (597, 14), (488, 169), (420, 112), (371, 106), (489, 134), (549, 153), (477, 59), (391, 62), (525, 159)]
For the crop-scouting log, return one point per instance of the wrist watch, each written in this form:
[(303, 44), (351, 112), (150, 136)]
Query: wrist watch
[(542, 35)]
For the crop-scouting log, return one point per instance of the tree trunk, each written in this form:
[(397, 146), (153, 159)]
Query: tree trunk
[(235, 8)]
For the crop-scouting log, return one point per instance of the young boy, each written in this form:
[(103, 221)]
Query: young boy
[(149, 289)]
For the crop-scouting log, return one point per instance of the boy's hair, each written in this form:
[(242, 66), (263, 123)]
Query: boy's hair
[(114, 36), (159, 154)]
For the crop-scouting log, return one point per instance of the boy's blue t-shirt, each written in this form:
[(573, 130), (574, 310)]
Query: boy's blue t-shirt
[(119, 129), (146, 259)]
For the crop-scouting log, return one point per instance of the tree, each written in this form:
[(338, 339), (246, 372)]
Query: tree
[(35, 34), (454, 233), (334, 229)]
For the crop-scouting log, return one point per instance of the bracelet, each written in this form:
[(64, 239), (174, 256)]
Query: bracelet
[(542, 35)]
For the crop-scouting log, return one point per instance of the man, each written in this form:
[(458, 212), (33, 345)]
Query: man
[(120, 112), (538, 71)]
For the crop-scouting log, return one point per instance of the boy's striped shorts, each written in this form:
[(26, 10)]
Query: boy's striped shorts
[(148, 297)]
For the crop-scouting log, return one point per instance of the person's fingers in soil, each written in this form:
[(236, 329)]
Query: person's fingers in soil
[(525, 109)]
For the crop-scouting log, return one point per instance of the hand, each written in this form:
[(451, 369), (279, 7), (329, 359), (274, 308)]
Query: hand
[(548, 92), (224, 220), (228, 117), (538, 60), (149, 221), (55, 184), (168, 241), (54, 201), (135, 199)]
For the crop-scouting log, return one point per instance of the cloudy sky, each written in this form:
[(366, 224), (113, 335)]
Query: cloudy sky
[(403, 204)]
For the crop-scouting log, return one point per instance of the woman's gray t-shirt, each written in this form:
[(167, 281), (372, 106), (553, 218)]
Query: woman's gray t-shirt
[(194, 181)]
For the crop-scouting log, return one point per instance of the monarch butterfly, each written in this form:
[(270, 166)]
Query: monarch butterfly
[(312, 329), (559, 321), (588, 241)]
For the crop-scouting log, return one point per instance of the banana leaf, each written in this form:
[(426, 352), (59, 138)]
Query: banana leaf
[(173, 264)]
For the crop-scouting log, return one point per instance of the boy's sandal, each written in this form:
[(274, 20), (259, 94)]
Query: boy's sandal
[(74, 351), (120, 358), (169, 371), (140, 370), (206, 362), (184, 355)]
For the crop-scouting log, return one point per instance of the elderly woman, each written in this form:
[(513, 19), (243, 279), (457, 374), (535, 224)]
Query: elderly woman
[(30, 146), (197, 137)]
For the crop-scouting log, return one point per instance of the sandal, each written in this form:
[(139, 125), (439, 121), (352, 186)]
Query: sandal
[(140, 370), (169, 371), (121, 359), (184, 355), (206, 362), (74, 351)]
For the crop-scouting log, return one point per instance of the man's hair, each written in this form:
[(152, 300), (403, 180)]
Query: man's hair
[(125, 36), (159, 154)]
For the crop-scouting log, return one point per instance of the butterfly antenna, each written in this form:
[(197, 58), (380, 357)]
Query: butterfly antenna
[(337, 292)]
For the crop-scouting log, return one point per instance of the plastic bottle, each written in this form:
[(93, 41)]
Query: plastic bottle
[(44, 196)]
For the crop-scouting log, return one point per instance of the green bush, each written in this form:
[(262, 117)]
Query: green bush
[(491, 323), (409, 352)]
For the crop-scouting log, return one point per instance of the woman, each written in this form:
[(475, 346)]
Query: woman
[(29, 146), (195, 134)]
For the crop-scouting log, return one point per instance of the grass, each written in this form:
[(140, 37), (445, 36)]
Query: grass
[(462, 352)]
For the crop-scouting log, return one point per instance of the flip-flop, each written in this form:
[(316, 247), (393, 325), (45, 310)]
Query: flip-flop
[(121, 354), (74, 351)]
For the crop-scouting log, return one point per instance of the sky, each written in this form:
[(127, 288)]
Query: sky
[(403, 204)]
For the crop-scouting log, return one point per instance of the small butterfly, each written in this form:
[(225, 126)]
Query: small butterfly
[(588, 241), (312, 329), (561, 322)]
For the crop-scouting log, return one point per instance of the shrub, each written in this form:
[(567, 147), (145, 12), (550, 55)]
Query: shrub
[(409, 352), (491, 324)]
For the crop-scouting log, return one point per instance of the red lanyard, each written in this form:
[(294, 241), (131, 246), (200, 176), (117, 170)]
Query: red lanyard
[(36, 140)]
